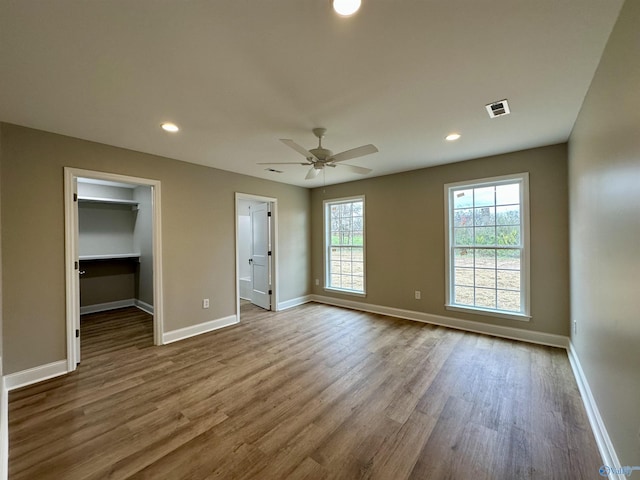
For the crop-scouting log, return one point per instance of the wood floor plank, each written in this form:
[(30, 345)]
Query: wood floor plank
[(313, 392)]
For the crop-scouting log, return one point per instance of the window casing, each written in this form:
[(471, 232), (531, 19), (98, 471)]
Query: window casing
[(344, 258), (487, 242)]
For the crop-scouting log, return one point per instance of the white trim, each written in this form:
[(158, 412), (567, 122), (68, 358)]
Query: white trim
[(104, 307), (512, 333), (294, 302), (489, 313), (71, 252), (35, 375), (605, 446), (4, 429), (144, 306), (193, 330), (274, 247)]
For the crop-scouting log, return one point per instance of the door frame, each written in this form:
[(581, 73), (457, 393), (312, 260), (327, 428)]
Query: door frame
[(72, 278), (274, 246)]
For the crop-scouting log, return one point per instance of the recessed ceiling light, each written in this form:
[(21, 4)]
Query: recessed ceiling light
[(170, 127), (452, 136), (346, 7)]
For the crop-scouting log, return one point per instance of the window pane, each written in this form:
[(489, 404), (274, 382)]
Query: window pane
[(463, 276), (508, 194), (463, 198), (509, 300), (508, 259), (485, 216), (485, 236), (357, 209), (463, 295), (358, 238), (485, 278), (357, 269), (463, 217), (463, 236), (485, 298), (509, 215), (463, 257), (484, 196), (485, 258), (509, 279), (508, 235)]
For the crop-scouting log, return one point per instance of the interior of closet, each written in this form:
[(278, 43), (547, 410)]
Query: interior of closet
[(115, 245)]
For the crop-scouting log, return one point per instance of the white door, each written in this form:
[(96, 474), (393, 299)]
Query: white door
[(78, 272), (261, 255)]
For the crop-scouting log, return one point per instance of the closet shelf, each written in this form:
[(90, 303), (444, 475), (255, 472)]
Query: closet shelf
[(109, 256), (114, 201)]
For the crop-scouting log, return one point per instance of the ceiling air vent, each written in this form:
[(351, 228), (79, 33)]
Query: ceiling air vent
[(498, 109)]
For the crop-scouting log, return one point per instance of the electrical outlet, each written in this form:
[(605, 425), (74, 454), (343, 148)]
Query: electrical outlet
[(418, 294), (317, 282), (205, 303)]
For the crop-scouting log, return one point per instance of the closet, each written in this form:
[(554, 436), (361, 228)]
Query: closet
[(114, 245)]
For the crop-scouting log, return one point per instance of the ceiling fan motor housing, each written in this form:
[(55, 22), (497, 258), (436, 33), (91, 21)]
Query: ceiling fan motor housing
[(321, 153)]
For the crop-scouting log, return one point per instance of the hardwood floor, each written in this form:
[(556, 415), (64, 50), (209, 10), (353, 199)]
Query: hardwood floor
[(315, 392)]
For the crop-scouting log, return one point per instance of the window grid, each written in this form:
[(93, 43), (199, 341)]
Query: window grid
[(488, 230), (345, 245)]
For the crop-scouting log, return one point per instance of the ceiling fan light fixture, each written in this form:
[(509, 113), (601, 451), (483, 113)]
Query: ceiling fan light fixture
[(452, 137), (346, 8), (169, 127)]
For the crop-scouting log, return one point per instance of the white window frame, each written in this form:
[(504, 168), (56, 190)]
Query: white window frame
[(327, 244), (525, 303)]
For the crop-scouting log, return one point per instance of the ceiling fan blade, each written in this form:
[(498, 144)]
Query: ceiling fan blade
[(301, 150), (283, 163), (353, 153), (312, 173), (356, 169)]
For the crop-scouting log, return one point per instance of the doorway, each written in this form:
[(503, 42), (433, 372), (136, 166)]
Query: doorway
[(113, 254), (256, 234)]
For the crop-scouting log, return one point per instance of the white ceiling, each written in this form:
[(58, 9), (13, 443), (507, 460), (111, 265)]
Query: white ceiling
[(237, 75)]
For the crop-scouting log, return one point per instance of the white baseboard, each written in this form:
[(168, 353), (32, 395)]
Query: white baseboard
[(4, 430), (144, 306), (103, 307), (294, 302), (467, 325), (607, 452), (182, 333), (35, 375)]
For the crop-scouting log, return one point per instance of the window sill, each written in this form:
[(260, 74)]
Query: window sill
[(491, 313), (345, 292)]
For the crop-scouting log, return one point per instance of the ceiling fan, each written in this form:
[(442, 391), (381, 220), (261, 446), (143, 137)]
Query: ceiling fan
[(320, 157)]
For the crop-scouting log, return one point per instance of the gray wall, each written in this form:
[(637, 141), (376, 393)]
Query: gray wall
[(604, 179), (198, 230), (405, 235)]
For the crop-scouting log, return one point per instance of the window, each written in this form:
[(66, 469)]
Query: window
[(344, 245), (487, 230)]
